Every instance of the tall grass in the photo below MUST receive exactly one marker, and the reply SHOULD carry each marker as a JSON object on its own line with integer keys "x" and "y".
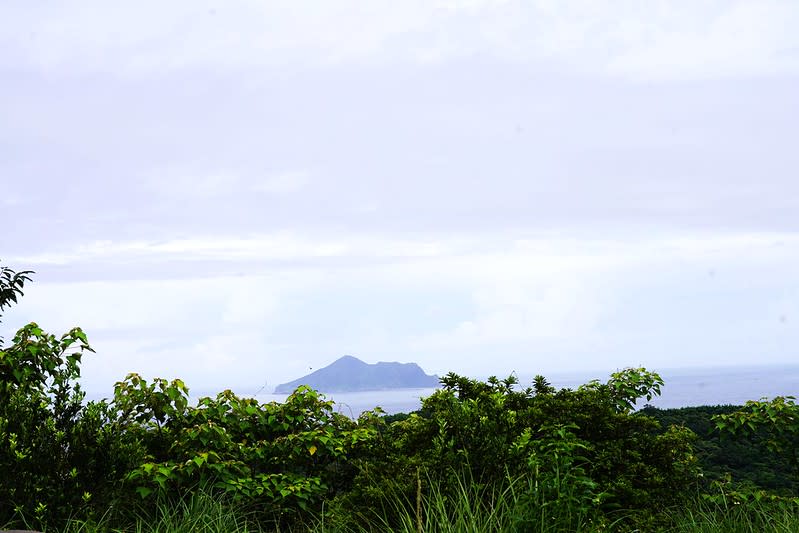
{"x": 198, "y": 512}
{"x": 461, "y": 506}
{"x": 749, "y": 517}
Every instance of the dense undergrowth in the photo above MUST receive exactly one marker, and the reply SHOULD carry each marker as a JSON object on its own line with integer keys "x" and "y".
{"x": 478, "y": 456}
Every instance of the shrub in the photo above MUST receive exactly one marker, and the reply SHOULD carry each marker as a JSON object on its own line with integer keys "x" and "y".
{"x": 584, "y": 448}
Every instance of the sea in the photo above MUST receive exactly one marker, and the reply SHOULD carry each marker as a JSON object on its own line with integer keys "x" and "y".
{"x": 685, "y": 387}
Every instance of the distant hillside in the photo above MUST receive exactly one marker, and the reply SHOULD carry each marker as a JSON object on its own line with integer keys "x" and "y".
{"x": 350, "y": 374}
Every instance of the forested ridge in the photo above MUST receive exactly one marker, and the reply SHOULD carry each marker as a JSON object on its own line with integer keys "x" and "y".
{"x": 747, "y": 461}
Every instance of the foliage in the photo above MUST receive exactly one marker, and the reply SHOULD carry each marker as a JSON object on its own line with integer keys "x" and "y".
{"x": 777, "y": 418}
{"x": 584, "y": 449}
{"x": 626, "y": 387}
{"x": 11, "y": 285}
{"x": 282, "y": 458}
{"x": 56, "y": 454}
{"x": 61, "y": 456}
{"x": 742, "y": 462}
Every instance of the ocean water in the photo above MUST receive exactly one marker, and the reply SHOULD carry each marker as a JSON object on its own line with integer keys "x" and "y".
{"x": 734, "y": 386}
{"x": 683, "y": 388}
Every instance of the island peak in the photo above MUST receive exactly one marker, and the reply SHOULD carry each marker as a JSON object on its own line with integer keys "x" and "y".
{"x": 350, "y": 374}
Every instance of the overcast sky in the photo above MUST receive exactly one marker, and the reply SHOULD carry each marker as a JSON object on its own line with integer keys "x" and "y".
{"x": 233, "y": 192}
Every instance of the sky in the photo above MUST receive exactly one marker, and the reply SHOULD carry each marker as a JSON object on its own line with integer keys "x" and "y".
{"x": 236, "y": 192}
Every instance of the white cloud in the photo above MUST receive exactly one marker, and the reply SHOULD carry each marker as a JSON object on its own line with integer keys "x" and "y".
{"x": 747, "y": 38}
{"x": 188, "y": 183}
{"x": 281, "y": 246}
{"x": 519, "y": 312}
{"x": 328, "y": 260}
{"x": 661, "y": 39}
{"x": 11, "y": 199}
{"x": 150, "y": 304}
{"x": 212, "y": 363}
{"x": 532, "y": 303}
{"x": 284, "y": 183}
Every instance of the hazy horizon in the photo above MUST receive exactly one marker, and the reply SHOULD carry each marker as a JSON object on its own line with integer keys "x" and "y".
{"x": 234, "y": 193}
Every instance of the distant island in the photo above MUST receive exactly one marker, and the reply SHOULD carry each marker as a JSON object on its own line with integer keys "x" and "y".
{"x": 350, "y": 374}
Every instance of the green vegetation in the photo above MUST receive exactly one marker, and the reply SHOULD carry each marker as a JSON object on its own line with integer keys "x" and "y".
{"x": 478, "y": 456}
{"x": 743, "y": 461}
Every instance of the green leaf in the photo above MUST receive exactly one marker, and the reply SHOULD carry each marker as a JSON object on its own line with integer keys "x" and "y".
{"x": 144, "y": 491}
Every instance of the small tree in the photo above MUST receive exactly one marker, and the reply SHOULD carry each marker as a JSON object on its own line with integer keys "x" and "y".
{"x": 58, "y": 457}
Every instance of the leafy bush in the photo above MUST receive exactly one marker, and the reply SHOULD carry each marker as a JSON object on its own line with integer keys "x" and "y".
{"x": 583, "y": 449}
{"x": 58, "y": 457}
{"x": 281, "y": 458}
